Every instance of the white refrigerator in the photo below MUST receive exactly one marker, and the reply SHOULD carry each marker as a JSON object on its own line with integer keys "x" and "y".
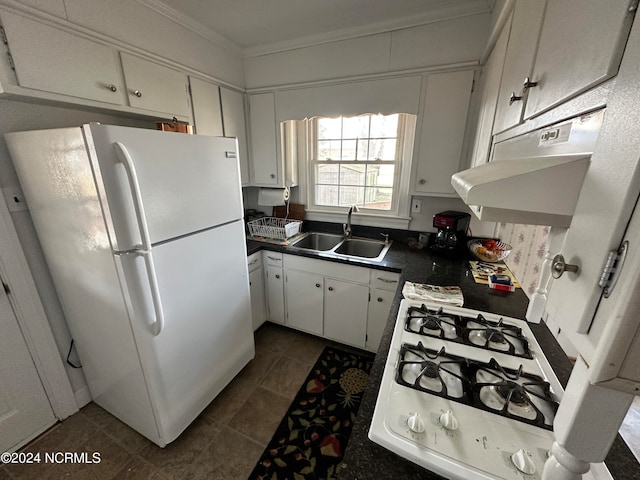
{"x": 143, "y": 234}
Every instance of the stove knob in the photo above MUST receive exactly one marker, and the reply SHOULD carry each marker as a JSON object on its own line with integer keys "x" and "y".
{"x": 449, "y": 421}
{"x": 416, "y": 424}
{"x": 523, "y": 462}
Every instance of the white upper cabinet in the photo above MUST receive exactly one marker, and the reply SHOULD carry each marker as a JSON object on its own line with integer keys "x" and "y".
{"x": 232, "y": 103}
{"x": 151, "y": 86}
{"x": 207, "y": 113}
{"x": 438, "y": 146}
{"x": 264, "y": 135}
{"x": 52, "y": 60}
{"x": 581, "y": 45}
{"x": 488, "y": 91}
{"x": 518, "y": 63}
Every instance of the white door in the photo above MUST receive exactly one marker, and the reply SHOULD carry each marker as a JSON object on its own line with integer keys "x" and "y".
{"x": 304, "y": 297}
{"x": 264, "y": 153}
{"x": 256, "y": 289}
{"x": 275, "y": 293}
{"x": 345, "y": 312}
{"x": 608, "y": 195}
{"x": 24, "y": 408}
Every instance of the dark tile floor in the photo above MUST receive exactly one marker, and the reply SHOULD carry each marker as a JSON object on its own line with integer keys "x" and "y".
{"x": 224, "y": 442}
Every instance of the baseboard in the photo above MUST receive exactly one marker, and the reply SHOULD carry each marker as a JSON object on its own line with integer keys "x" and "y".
{"x": 83, "y": 396}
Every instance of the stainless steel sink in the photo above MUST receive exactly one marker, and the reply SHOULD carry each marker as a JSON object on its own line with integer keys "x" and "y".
{"x": 332, "y": 245}
{"x": 320, "y": 242}
{"x": 356, "y": 247}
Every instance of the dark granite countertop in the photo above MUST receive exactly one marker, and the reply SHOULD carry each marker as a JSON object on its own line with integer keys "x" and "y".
{"x": 364, "y": 459}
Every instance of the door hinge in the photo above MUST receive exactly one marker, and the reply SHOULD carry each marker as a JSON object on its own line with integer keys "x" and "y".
{"x": 7, "y": 290}
{"x": 612, "y": 268}
{"x": 369, "y": 296}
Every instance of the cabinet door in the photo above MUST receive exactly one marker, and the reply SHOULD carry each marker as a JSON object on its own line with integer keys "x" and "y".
{"x": 207, "y": 114}
{"x": 275, "y": 294}
{"x": 234, "y": 126}
{"x": 442, "y": 134}
{"x": 581, "y": 45}
{"x": 53, "y": 60}
{"x": 379, "y": 309}
{"x": 488, "y": 90}
{"x": 152, "y": 86}
{"x": 518, "y": 63}
{"x": 264, "y": 153}
{"x": 345, "y": 312}
{"x": 304, "y": 295}
{"x": 256, "y": 289}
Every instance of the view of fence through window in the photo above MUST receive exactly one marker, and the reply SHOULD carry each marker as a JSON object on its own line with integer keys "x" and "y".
{"x": 356, "y": 161}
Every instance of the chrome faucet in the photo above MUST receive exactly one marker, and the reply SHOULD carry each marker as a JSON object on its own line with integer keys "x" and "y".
{"x": 347, "y": 226}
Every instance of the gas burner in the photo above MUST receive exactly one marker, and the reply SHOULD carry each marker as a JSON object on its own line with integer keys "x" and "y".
{"x": 433, "y": 323}
{"x": 514, "y": 394}
{"x": 497, "y": 336}
{"x": 433, "y": 372}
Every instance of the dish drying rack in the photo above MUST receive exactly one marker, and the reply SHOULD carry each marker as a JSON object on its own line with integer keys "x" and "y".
{"x": 272, "y": 227}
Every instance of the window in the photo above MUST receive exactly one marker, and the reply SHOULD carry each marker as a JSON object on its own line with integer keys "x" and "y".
{"x": 357, "y": 161}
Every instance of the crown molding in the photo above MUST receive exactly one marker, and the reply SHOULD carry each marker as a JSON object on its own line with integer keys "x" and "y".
{"x": 193, "y": 25}
{"x": 443, "y": 14}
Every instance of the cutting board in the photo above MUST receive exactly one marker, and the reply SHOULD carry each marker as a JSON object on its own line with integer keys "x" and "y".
{"x": 482, "y": 270}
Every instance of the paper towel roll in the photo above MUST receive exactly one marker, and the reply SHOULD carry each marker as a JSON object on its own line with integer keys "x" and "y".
{"x": 273, "y": 196}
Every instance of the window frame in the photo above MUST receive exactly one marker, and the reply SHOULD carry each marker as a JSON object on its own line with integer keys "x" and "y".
{"x": 402, "y": 168}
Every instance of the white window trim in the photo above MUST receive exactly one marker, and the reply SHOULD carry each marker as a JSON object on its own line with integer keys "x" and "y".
{"x": 396, "y": 218}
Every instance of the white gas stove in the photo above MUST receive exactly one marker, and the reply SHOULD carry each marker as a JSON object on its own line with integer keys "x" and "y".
{"x": 466, "y": 394}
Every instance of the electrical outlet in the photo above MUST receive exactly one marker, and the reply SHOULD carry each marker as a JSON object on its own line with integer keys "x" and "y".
{"x": 416, "y": 205}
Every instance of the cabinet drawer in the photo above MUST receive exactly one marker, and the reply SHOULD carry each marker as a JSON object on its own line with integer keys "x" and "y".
{"x": 385, "y": 280}
{"x": 273, "y": 258}
{"x": 254, "y": 261}
{"x": 328, "y": 269}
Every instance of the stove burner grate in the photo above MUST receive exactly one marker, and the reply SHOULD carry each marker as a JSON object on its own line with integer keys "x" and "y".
{"x": 474, "y": 331}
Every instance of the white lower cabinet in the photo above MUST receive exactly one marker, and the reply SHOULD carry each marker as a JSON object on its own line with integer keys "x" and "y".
{"x": 345, "y": 311}
{"x": 304, "y": 294}
{"x": 274, "y": 284}
{"x": 256, "y": 290}
{"x": 333, "y": 300}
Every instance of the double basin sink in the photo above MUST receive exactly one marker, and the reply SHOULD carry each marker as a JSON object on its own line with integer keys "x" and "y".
{"x": 339, "y": 246}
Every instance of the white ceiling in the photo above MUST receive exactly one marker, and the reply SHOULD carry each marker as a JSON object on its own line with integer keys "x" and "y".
{"x": 258, "y": 24}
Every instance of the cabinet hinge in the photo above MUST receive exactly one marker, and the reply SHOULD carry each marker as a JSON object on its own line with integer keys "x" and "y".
{"x": 7, "y": 290}
{"x": 369, "y": 296}
{"x": 633, "y": 6}
{"x": 3, "y": 36}
{"x": 612, "y": 268}
{"x": 11, "y": 63}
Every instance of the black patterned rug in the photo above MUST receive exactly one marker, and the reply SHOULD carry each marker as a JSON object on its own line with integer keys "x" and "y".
{"x": 310, "y": 441}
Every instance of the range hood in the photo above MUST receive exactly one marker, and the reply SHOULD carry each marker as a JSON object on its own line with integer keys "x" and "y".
{"x": 535, "y": 178}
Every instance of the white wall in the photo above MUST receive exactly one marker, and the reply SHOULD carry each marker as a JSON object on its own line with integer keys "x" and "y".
{"x": 435, "y": 44}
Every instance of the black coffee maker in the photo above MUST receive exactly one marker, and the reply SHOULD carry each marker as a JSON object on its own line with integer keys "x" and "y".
{"x": 452, "y": 231}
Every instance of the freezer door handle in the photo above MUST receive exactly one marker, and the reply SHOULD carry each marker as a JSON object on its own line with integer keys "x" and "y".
{"x": 132, "y": 176}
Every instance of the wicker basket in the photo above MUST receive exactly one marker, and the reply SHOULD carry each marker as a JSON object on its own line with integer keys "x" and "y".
{"x": 272, "y": 227}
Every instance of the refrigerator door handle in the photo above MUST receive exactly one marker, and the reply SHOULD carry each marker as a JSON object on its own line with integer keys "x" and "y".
{"x": 127, "y": 162}
{"x": 145, "y": 251}
{"x": 155, "y": 292}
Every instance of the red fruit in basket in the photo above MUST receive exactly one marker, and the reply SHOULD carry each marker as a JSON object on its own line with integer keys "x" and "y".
{"x": 490, "y": 244}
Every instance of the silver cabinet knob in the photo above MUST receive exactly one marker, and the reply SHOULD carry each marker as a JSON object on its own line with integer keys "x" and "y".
{"x": 514, "y": 98}
{"x": 330, "y": 289}
{"x": 528, "y": 84}
{"x": 273, "y": 175}
{"x": 137, "y": 93}
{"x": 422, "y": 181}
{"x": 277, "y": 276}
{"x": 559, "y": 266}
{"x": 380, "y": 299}
{"x": 112, "y": 87}
{"x": 317, "y": 285}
